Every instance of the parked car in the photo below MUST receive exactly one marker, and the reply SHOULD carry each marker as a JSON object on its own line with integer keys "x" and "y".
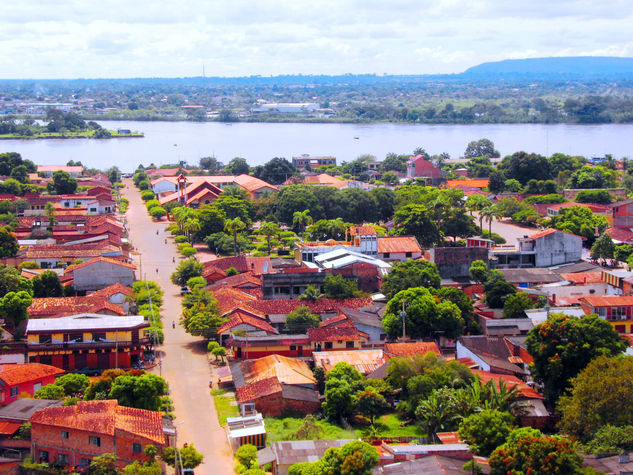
{"x": 184, "y": 290}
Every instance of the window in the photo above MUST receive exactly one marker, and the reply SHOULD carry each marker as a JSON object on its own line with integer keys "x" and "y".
{"x": 85, "y": 462}
{"x": 37, "y": 386}
{"x": 349, "y": 344}
{"x": 65, "y": 434}
{"x": 94, "y": 440}
{"x": 328, "y": 345}
{"x": 293, "y": 347}
{"x": 46, "y": 359}
{"x": 46, "y": 338}
{"x": 76, "y": 337}
{"x": 98, "y": 336}
{"x": 43, "y": 457}
{"x": 62, "y": 458}
{"x": 137, "y": 448}
{"x": 15, "y": 390}
{"x": 385, "y": 255}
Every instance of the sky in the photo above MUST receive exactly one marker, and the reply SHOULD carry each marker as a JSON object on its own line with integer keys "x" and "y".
{"x": 155, "y": 38}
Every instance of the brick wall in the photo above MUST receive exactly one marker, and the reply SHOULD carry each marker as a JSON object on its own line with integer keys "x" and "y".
{"x": 275, "y": 405}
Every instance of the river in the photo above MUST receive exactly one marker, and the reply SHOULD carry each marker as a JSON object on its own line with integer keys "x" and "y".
{"x": 170, "y": 142}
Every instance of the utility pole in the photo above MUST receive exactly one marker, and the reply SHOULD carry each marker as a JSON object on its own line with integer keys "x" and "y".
{"x": 403, "y": 315}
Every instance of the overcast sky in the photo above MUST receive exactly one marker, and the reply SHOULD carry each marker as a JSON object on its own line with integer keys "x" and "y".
{"x": 155, "y": 38}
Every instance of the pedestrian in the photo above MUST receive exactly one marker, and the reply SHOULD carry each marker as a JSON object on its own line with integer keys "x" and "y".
{"x": 157, "y": 232}
{"x": 165, "y": 241}
{"x": 173, "y": 259}
{"x": 173, "y": 324}
{"x": 157, "y": 270}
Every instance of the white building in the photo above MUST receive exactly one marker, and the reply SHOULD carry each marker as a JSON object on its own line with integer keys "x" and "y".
{"x": 546, "y": 248}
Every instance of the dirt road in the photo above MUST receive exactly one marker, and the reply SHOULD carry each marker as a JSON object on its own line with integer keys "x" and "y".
{"x": 184, "y": 363}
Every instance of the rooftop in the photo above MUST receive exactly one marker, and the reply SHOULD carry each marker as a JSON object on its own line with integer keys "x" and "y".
{"x": 336, "y": 333}
{"x": 410, "y": 349}
{"x": 14, "y": 374}
{"x": 62, "y": 306}
{"x": 608, "y": 300}
{"x": 23, "y": 409}
{"x": 84, "y": 322}
{"x": 364, "y": 361}
{"x": 97, "y": 260}
{"x": 286, "y": 370}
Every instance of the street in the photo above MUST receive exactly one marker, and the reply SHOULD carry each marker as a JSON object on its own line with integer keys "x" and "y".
{"x": 184, "y": 363}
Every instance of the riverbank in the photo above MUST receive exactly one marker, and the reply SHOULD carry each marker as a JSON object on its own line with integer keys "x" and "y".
{"x": 88, "y": 134}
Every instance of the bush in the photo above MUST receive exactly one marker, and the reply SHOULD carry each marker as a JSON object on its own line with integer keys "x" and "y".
{"x": 151, "y": 204}
{"x": 144, "y": 185}
{"x": 189, "y": 251}
{"x": 231, "y": 271}
{"x": 158, "y": 212}
{"x": 180, "y": 239}
{"x": 147, "y": 195}
{"x": 594, "y": 196}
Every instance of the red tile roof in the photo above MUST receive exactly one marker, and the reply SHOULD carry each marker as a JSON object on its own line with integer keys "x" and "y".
{"x": 408, "y": 350}
{"x": 104, "y": 417}
{"x": 9, "y": 428}
{"x": 256, "y": 265}
{"x": 476, "y": 183}
{"x": 338, "y": 321}
{"x": 398, "y": 244}
{"x": 258, "y": 389}
{"x": 335, "y": 334}
{"x": 272, "y": 307}
{"x": 286, "y": 370}
{"x": 583, "y": 277}
{"x": 252, "y": 184}
{"x": 242, "y": 317}
{"x": 245, "y": 279}
{"x": 620, "y": 234}
{"x": 608, "y": 300}
{"x": 64, "y": 306}
{"x": 510, "y": 381}
{"x": 14, "y": 374}
{"x": 113, "y": 289}
{"x": 230, "y": 299}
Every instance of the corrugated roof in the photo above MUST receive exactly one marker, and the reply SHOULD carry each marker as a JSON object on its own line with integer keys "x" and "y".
{"x": 608, "y": 300}
{"x": 398, "y": 244}
{"x": 476, "y": 183}
{"x": 86, "y": 321}
{"x": 364, "y": 361}
{"x": 99, "y": 259}
{"x": 286, "y": 370}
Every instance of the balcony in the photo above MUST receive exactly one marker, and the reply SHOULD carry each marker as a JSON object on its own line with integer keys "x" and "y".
{"x": 87, "y": 345}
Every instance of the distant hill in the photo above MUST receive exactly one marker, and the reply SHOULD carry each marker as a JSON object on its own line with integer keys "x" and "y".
{"x": 580, "y": 67}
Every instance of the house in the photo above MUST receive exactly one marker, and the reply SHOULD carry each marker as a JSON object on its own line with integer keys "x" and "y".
{"x": 281, "y": 455}
{"x": 49, "y": 170}
{"x": 306, "y": 160}
{"x": 275, "y": 399}
{"x": 100, "y": 272}
{"x": 622, "y": 212}
{"x": 494, "y": 354}
{"x": 116, "y": 294}
{"x": 419, "y": 167}
{"x": 364, "y": 361}
{"x": 336, "y": 338}
{"x": 246, "y": 429}
{"x": 291, "y": 283}
{"x": 429, "y": 465}
{"x": 542, "y": 249}
{"x": 262, "y": 345}
{"x": 409, "y": 349}
{"x": 54, "y": 255}
{"x": 455, "y": 262}
{"x": 198, "y": 190}
{"x": 64, "y": 306}
{"x": 19, "y": 379}
{"x": 86, "y": 341}
{"x": 366, "y": 321}
{"x": 255, "y": 265}
{"x": 74, "y": 435}
{"x": 616, "y": 309}
{"x": 287, "y": 370}
{"x": 321, "y": 179}
{"x": 244, "y": 322}
{"x": 13, "y": 415}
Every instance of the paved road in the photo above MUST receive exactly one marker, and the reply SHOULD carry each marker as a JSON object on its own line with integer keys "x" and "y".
{"x": 185, "y": 363}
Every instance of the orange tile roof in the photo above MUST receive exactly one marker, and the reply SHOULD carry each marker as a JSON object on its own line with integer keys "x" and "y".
{"x": 448, "y": 437}
{"x": 99, "y": 259}
{"x": 548, "y": 231}
{"x": 113, "y": 289}
{"x": 247, "y": 278}
{"x": 286, "y": 370}
{"x": 9, "y": 428}
{"x": 510, "y": 381}
{"x": 362, "y": 230}
{"x": 230, "y": 299}
{"x": 608, "y": 300}
{"x": 398, "y": 244}
{"x": 258, "y": 389}
{"x": 14, "y": 374}
{"x": 66, "y": 168}
{"x": 583, "y": 277}
{"x": 476, "y": 183}
{"x": 325, "y": 179}
{"x": 242, "y": 317}
{"x": 338, "y": 333}
{"x": 252, "y": 184}
{"x": 104, "y": 417}
{"x": 411, "y": 349}
{"x": 64, "y": 306}
{"x": 272, "y": 307}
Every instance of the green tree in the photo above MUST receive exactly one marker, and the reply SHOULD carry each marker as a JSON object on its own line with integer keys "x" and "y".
{"x": 237, "y": 166}
{"x": 516, "y": 304}
{"x": 300, "y": 319}
{"x": 524, "y": 167}
{"x": 188, "y": 454}
{"x": 370, "y": 404}
{"x": 246, "y": 454}
{"x": 485, "y": 431}
{"x": 603, "y": 248}
{"x": 47, "y": 284}
{"x": 234, "y": 203}
{"x": 202, "y": 319}
{"x": 610, "y": 439}
{"x": 157, "y": 213}
{"x": 62, "y": 184}
{"x": 104, "y": 464}
{"x": 497, "y": 289}
{"x": 497, "y": 182}
{"x": 8, "y": 243}
{"x": 73, "y": 384}
{"x": 476, "y": 203}
{"x": 234, "y": 226}
{"x": 186, "y": 270}
{"x": 536, "y": 454}
{"x": 600, "y": 394}
{"x": 579, "y": 220}
{"x": 410, "y": 273}
{"x": 211, "y": 221}
{"x": 311, "y": 293}
{"x": 20, "y": 173}
{"x": 435, "y": 414}
{"x": 562, "y": 346}
{"x": 143, "y": 392}
{"x": 276, "y": 171}
{"x": 292, "y": 199}
{"x": 319, "y": 375}
{"x": 211, "y": 164}
{"x": 415, "y": 220}
{"x": 114, "y": 175}
{"x": 385, "y": 198}
{"x": 220, "y": 352}
{"x": 338, "y": 287}
{"x": 481, "y": 148}
{"x": 14, "y": 306}
{"x": 478, "y": 271}
{"x": 594, "y": 196}
{"x": 269, "y": 229}
{"x": 425, "y": 317}
{"x": 301, "y": 220}
{"x": 50, "y": 391}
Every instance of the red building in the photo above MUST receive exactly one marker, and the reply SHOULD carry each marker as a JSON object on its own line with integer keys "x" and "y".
{"x": 16, "y": 379}
{"x": 420, "y": 167}
{"x": 74, "y": 435}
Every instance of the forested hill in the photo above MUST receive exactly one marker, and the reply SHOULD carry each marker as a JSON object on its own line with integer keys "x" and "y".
{"x": 579, "y": 67}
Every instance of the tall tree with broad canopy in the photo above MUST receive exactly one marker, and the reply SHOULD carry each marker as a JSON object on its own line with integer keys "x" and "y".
{"x": 186, "y": 270}
{"x": 603, "y": 248}
{"x": 62, "y": 184}
{"x": 562, "y": 346}
{"x": 300, "y": 319}
{"x": 8, "y": 243}
{"x": 408, "y": 274}
{"x": 415, "y": 220}
{"x": 486, "y": 430}
{"x": 237, "y": 166}
{"x": 481, "y": 148}
{"x": 425, "y": 316}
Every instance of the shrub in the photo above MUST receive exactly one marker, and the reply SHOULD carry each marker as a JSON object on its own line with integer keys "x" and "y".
{"x": 147, "y": 195}
{"x": 231, "y": 271}
{"x": 151, "y": 204}
{"x": 180, "y": 239}
{"x": 158, "y": 212}
{"x": 189, "y": 251}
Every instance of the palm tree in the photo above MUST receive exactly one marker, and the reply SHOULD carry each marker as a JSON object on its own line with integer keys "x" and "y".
{"x": 234, "y": 226}
{"x": 302, "y": 219}
{"x": 192, "y": 225}
{"x": 50, "y": 213}
{"x": 269, "y": 229}
{"x": 181, "y": 214}
{"x": 311, "y": 293}
{"x": 477, "y": 203}
{"x": 435, "y": 414}
{"x": 490, "y": 212}
{"x": 336, "y": 227}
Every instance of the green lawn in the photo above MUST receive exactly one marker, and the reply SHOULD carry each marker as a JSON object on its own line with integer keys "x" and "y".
{"x": 225, "y": 405}
{"x": 279, "y": 428}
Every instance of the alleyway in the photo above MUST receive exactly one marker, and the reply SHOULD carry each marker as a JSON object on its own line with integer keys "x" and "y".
{"x": 184, "y": 363}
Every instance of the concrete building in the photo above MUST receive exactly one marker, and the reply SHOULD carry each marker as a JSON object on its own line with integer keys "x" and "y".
{"x": 292, "y": 283}
{"x": 455, "y": 262}
{"x": 304, "y": 160}
{"x": 101, "y": 272}
{"x": 49, "y": 170}
{"x": 543, "y": 249}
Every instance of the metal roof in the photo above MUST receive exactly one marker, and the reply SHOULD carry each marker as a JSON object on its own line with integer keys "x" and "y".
{"x": 86, "y": 321}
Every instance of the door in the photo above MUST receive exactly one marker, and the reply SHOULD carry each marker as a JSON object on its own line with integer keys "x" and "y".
{"x": 300, "y": 349}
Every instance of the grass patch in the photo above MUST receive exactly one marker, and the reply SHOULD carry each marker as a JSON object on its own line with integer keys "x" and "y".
{"x": 225, "y": 405}
{"x": 389, "y": 426}
{"x": 279, "y": 428}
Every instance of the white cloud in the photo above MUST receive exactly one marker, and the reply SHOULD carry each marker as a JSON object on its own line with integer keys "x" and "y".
{"x": 119, "y": 38}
